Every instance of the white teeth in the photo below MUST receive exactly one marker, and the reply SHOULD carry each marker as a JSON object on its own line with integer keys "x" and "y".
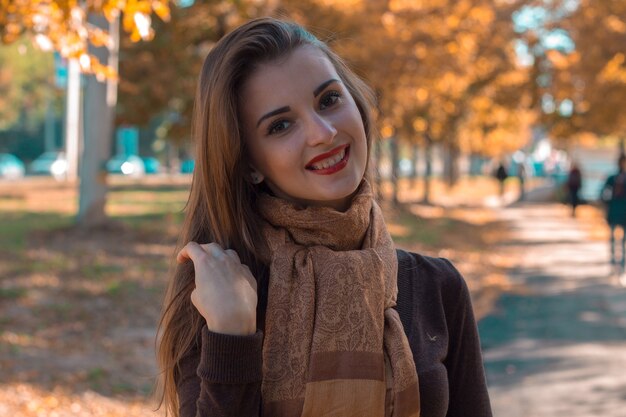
{"x": 333, "y": 160}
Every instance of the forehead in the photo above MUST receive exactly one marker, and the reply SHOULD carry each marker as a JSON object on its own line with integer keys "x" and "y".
{"x": 299, "y": 72}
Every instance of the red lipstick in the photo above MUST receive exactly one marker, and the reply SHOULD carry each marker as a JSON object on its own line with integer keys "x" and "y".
{"x": 334, "y": 168}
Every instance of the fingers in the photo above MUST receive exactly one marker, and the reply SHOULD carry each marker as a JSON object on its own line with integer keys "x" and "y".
{"x": 195, "y": 252}
{"x": 192, "y": 251}
{"x": 215, "y": 250}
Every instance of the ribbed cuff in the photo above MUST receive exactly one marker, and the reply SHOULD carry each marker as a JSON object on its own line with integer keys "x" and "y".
{"x": 227, "y": 359}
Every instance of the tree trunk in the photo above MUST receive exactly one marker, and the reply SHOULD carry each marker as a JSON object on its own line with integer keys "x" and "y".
{"x": 99, "y": 115}
{"x": 73, "y": 118}
{"x": 172, "y": 158}
{"x": 395, "y": 158}
{"x": 414, "y": 160}
{"x": 451, "y": 164}
{"x": 428, "y": 159}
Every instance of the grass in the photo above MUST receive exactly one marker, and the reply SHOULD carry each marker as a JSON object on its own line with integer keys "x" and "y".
{"x": 12, "y": 293}
{"x": 100, "y": 269}
{"x": 92, "y": 297}
{"x": 16, "y": 225}
{"x": 118, "y": 288}
{"x": 430, "y": 233}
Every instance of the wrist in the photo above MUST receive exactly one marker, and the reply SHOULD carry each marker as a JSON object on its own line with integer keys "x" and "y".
{"x": 232, "y": 327}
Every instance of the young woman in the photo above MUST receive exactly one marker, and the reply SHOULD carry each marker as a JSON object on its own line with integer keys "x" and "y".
{"x": 289, "y": 298}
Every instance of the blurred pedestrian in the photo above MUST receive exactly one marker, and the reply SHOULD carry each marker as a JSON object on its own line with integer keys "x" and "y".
{"x": 501, "y": 174}
{"x": 284, "y": 299}
{"x": 574, "y": 184}
{"x": 521, "y": 177}
{"x": 614, "y": 196}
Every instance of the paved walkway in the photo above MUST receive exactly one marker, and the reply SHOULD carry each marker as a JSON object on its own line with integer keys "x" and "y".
{"x": 556, "y": 346}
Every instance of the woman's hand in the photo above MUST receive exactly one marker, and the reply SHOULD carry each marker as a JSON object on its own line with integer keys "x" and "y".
{"x": 226, "y": 291}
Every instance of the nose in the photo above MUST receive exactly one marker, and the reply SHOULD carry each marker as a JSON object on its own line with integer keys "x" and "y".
{"x": 319, "y": 130}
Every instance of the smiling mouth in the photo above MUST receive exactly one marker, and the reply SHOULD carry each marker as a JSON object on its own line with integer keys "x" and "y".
{"x": 330, "y": 162}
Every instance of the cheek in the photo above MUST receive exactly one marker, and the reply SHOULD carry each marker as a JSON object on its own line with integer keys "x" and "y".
{"x": 359, "y": 132}
{"x": 278, "y": 160}
{"x": 356, "y": 120}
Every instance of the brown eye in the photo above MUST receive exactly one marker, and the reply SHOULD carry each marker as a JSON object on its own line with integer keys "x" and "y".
{"x": 278, "y": 126}
{"x": 329, "y": 99}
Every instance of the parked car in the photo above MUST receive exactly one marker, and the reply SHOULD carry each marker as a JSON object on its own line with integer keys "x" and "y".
{"x": 151, "y": 165}
{"x": 11, "y": 167}
{"x": 131, "y": 165}
{"x": 50, "y": 163}
{"x": 187, "y": 166}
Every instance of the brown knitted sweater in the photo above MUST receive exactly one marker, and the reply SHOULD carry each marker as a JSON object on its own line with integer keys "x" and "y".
{"x": 222, "y": 375}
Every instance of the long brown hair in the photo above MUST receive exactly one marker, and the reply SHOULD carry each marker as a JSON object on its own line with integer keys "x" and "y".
{"x": 221, "y": 201}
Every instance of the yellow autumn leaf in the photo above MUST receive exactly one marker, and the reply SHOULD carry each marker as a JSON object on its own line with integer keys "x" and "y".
{"x": 386, "y": 131}
{"x": 162, "y": 10}
{"x": 558, "y": 59}
{"x": 341, "y": 4}
{"x": 13, "y": 29}
{"x": 110, "y": 11}
{"x": 135, "y": 36}
{"x": 421, "y": 94}
{"x": 420, "y": 124}
{"x": 9, "y": 37}
{"x": 112, "y": 74}
{"x": 138, "y": 6}
{"x": 453, "y": 21}
{"x": 452, "y": 47}
{"x": 128, "y": 22}
{"x": 616, "y": 24}
{"x": 614, "y": 70}
{"x": 483, "y": 15}
{"x": 99, "y": 38}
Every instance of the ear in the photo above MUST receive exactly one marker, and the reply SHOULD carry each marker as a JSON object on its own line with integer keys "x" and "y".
{"x": 255, "y": 176}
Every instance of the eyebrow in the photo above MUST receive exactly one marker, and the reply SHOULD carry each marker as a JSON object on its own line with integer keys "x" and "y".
{"x": 322, "y": 86}
{"x": 273, "y": 113}
{"x": 285, "y": 109}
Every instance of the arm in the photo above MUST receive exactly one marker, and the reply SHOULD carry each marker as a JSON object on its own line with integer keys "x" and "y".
{"x": 464, "y": 363}
{"x": 222, "y": 378}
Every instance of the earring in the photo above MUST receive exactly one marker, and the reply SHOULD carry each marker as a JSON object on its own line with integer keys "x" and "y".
{"x": 256, "y": 178}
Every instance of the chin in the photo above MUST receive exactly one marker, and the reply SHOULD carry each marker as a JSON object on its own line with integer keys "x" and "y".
{"x": 344, "y": 193}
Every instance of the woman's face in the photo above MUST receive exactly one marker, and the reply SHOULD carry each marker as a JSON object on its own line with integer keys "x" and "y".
{"x": 303, "y": 130}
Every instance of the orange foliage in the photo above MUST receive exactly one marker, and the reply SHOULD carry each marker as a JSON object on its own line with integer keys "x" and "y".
{"x": 593, "y": 77}
{"x": 62, "y": 25}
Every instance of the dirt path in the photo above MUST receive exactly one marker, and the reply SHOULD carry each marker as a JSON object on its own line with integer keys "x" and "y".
{"x": 556, "y": 344}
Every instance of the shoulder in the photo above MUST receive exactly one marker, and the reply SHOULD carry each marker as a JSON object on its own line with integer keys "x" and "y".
{"x": 439, "y": 274}
{"x": 430, "y": 288}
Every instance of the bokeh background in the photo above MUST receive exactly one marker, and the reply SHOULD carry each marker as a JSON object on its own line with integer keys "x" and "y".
{"x": 96, "y": 161}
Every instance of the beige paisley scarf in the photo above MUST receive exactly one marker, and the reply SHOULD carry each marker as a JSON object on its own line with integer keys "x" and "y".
{"x": 333, "y": 344}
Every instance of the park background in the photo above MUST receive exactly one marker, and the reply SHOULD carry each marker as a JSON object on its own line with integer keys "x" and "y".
{"x": 462, "y": 86}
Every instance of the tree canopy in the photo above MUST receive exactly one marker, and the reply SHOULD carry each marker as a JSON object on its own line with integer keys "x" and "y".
{"x": 62, "y": 25}
{"x": 25, "y": 85}
{"x": 577, "y": 52}
{"x": 464, "y": 73}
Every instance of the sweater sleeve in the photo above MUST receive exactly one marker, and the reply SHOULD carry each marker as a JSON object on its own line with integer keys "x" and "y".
{"x": 464, "y": 363}
{"x": 222, "y": 377}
